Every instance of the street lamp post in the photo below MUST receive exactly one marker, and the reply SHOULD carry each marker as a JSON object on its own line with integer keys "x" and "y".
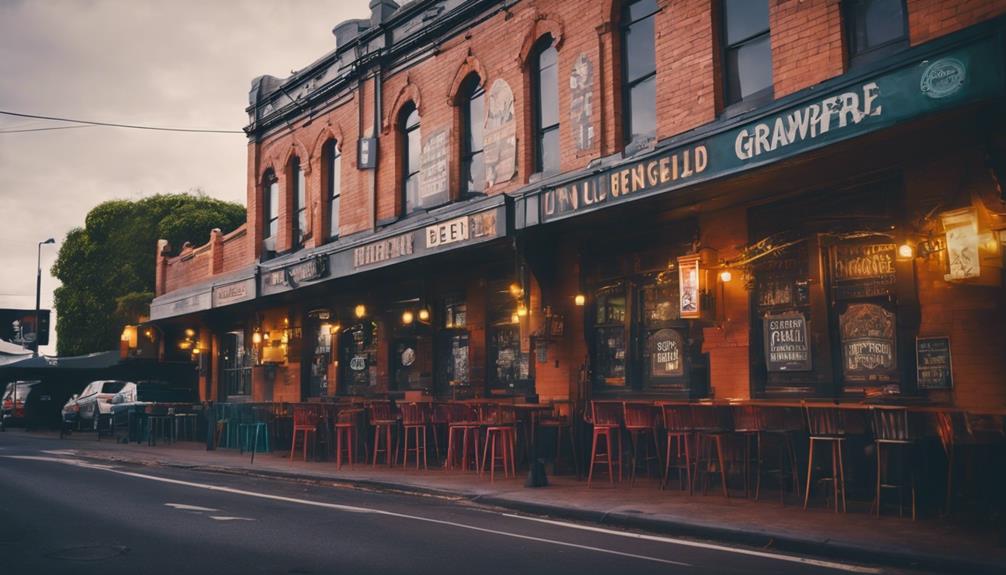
{"x": 38, "y": 294}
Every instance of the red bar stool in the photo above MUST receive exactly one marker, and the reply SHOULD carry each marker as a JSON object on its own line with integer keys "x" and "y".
{"x": 415, "y": 418}
{"x": 641, "y": 425}
{"x": 607, "y": 419}
{"x": 345, "y": 428}
{"x": 305, "y": 422}
{"x": 827, "y": 425}
{"x": 711, "y": 423}
{"x": 463, "y": 421}
{"x": 678, "y": 426}
{"x": 501, "y": 430}
{"x": 382, "y": 419}
{"x": 779, "y": 424}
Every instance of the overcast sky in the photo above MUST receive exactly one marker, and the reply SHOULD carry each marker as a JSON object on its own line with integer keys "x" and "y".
{"x": 182, "y": 63}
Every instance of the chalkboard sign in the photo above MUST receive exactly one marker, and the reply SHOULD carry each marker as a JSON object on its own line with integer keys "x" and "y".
{"x": 666, "y": 349}
{"x": 932, "y": 360}
{"x": 862, "y": 270}
{"x": 868, "y": 344}
{"x": 787, "y": 347}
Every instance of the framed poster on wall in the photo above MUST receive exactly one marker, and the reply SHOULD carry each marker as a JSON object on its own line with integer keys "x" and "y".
{"x": 933, "y": 368}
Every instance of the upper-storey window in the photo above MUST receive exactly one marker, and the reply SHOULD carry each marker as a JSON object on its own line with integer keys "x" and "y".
{"x": 747, "y": 51}
{"x": 270, "y": 212}
{"x": 411, "y": 149}
{"x": 875, "y": 28}
{"x": 639, "y": 65}
{"x": 545, "y": 80}
{"x": 298, "y": 213}
{"x": 473, "y": 169}
{"x": 333, "y": 159}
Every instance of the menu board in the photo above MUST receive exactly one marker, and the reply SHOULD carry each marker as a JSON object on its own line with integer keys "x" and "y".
{"x": 666, "y": 348}
{"x": 869, "y": 353}
{"x": 787, "y": 347}
{"x": 862, "y": 270}
{"x": 932, "y": 361}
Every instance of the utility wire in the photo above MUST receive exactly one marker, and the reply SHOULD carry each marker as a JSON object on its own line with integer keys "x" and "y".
{"x": 114, "y": 125}
{"x": 42, "y": 129}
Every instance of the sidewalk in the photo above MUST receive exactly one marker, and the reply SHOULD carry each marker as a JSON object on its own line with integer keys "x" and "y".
{"x": 932, "y": 544}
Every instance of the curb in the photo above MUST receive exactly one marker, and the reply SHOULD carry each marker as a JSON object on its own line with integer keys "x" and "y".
{"x": 758, "y": 540}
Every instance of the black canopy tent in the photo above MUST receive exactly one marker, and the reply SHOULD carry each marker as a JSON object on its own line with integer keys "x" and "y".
{"x": 61, "y": 377}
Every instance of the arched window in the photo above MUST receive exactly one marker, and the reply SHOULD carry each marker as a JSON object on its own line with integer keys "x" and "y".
{"x": 411, "y": 148}
{"x": 473, "y": 170}
{"x": 333, "y": 160}
{"x": 298, "y": 212}
{"x": 545, "y": 84}
{"x": 639, "y": 71}
{"x": 270, "y": 211}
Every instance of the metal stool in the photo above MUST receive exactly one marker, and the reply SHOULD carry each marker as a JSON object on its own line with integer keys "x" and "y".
{"x": 827, "y": 425}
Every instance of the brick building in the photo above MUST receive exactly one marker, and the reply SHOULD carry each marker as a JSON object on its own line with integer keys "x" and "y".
{"x": 660, "y": 198}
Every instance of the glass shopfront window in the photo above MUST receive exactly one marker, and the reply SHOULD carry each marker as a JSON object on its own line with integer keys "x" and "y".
{"x": 454, "y": 370}
{"x": 235, "y": 364}
{"x": 610, "y": 337}
{"x": 318, "y": 334}
{"x": 358, "y": 358}
{"x": 508, "y": 366}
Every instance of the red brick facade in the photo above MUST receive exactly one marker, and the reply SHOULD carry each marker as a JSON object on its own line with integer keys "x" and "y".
{"x": 808, "y": 44}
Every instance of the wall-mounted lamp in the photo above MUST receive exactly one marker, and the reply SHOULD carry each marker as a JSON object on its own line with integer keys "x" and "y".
{"x": 257, "y": 337}
{"x": 407, "y": 317}
{"x": 580, "y": 300}
{"x": 360, "y": 310}
{"x": 726, "y": 276}
{"x": 906, "y": 251}
{"x": 265, "y": 336}
{"x": 196, "y": 351}
{"x": 521, "y": 310}
{"x": 515, "y": 318}
{"x": 424, "y": 314}
{"x": 516, "y": 290}
{"x": 184, "y": 344}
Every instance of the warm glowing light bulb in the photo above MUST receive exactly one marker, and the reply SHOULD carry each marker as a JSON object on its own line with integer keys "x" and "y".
{"x": 580, "y": 299}
{"x": 726, "y": 276}
{"x": 521, "y": 310}
{"x": 424, "y": 314}
{"x": 407, "y": 317}
{"x": 514, "y": 318}
{"x": 256, "y": 338}
{"x": 516, "y": 290}
{"x": 906, "y": 251}
{"x": 360, "y": 310}
{"x": 190, "y": 332}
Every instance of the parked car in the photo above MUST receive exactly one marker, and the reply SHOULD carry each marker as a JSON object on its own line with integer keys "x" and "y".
{"x": 12, "y": 405}
{"x": 93, "y": 402}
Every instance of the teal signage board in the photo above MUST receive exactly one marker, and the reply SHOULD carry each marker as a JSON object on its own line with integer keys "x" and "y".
{"x": 941, "y": 81}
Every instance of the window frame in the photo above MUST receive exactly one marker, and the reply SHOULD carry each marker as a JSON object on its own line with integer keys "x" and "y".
{"x": 404, "y": 132}
{"x": 627, "y": 85}
{"x": 761, "y": 97}
{"x": 471, "y": 88}
{"x": 875, "y": 53}
{"x": 298, "y": 203}
{"x": 333, "y": 160}
{"x": 545, "y": 42}
{"x": 270, "y": 196}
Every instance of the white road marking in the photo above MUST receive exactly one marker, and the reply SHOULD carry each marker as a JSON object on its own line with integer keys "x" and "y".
{"x": 228, "y": 518}
{"x": 186, "y": 507}
{"x": 355, "y": 509}
{"x": 699, "y": 544}
{"x": 60, "y": 451}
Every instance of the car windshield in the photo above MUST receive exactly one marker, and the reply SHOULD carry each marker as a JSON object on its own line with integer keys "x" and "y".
{"x": 112, "y": 386}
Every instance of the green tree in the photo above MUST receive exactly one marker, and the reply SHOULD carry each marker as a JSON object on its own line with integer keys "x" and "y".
{"x": 107, "y": 267}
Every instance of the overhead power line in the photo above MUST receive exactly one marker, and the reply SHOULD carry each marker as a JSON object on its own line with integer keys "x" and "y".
{"x": 116, "y": 125}
{"x": 42, "y": 129}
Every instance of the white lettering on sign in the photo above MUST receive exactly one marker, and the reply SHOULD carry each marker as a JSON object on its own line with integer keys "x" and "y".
{"x": 809, "y": 122}
{"x": 448, "y": 232}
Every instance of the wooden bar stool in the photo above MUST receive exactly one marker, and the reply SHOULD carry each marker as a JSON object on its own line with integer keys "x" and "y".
{"x": 345, "y": 430}
{"x": 779, "y": 424}
{"x": 712, "y": 424}
{"x": 305, "y": 423}
{"x": 678, "y": 426}
{"x": 382, "y": 419}
{"x": 500, "y": 421}
{"x": 827, "y": 425}
{"x": 893, "y": 430}
{"x": 415, "y": 418}
{"x": 607, "y": 419}
{"x": 464, "y": 422}
{"x": 641, "y": 426}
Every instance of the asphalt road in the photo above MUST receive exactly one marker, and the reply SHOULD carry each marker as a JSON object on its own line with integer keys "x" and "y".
{"x": 62, "y": 514}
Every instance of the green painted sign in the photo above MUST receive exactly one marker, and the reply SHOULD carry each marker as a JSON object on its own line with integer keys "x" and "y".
{"x": 947, "y": 80}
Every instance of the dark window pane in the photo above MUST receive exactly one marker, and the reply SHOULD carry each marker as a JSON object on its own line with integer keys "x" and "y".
{"x": 749, "y": 69}
{"x": 876, "y": 22}
{"x": 550, "y": 151}
{"x": 475, "y": 173}
{"x": 641, "y": 9}
{"x": 475, "y": 119}
{"x": 640, "y": 57}
{"x": 744, "y": 19}
{"x": 548, "y": 93}
{"x": 643, "y": 109}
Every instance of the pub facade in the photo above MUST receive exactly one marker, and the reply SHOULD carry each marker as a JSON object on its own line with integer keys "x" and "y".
{"x": 674, "y": 199}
